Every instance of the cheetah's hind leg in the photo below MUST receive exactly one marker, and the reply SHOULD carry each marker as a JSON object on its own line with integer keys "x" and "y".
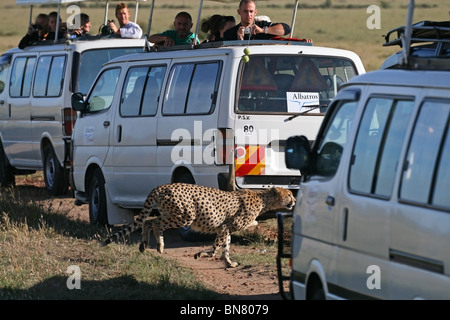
{"x": 145, "y": 235}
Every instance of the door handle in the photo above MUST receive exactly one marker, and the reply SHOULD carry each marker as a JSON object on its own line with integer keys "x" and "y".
{"x": 119, "y": 133}
{"x": 2, "y": 102}
{"x": 330, "y": 201}
{"x": 106, "y": 123}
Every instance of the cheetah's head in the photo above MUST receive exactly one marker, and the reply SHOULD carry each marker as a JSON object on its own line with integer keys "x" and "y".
{"x": 282, "y": 198}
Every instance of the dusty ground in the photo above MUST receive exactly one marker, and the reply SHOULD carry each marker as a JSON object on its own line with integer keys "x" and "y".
{"x": 246, "y": 282}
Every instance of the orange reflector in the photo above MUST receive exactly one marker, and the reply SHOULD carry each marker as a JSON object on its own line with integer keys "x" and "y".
{"x": 250, "y": 160}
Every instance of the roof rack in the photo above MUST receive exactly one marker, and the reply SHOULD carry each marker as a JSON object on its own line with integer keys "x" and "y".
{"x": 431, "y": 50}
{"x": 424, "y": 31}
{"x": 219, "y": 44}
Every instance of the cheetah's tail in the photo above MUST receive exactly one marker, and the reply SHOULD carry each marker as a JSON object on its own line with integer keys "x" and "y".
{"x": 122, "y": 233}
{"x": 137, "y": 224}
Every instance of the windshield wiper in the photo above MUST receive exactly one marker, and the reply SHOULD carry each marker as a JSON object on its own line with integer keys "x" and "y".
{"x": 306, "y": 111}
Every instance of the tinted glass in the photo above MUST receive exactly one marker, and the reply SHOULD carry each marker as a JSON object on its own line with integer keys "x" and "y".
{"x": 378, "y": 144}
{"x": 426, "y": 175}
{"x": 291, "y": 84}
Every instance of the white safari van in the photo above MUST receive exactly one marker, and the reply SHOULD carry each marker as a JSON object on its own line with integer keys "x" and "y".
{"x": 36, "y": 85}
{"x": 372, "y": 218}
{"x": 199, "y": 115}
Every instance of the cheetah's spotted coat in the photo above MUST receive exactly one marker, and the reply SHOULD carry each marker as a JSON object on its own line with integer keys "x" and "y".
{"x": 206, "y": 210}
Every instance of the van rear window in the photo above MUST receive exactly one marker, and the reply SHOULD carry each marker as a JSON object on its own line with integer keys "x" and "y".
{"x": 291, "y": 84}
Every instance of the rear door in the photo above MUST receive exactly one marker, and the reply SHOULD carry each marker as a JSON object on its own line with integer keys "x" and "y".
{"x": 17, "y": 130}
{"x": 48, "y": 102}
{"x": 133, "y": 143}
{"x": 419, "y": 239}
{"x": 188, "y": 120}
{"x": 280, "y": 96}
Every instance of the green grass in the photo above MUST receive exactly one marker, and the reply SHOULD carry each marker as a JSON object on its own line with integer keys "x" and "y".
{"x": 333, "y": 23}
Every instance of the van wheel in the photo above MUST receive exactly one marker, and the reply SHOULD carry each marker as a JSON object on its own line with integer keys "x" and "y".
{"x": 319, "y": 294}
{"x": 54, "y": 175}
{"x": 97, "y": 199}
{"x": 6, "y": 176}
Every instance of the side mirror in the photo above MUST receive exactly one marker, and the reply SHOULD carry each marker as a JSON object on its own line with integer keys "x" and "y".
{"x": 298, "y": 153}
{"x": 78, "y": 103}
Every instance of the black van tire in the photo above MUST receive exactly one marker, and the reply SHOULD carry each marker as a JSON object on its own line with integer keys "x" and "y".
{"x": 54, "y": 175}
{"x": 7, "y": 178}
{"x": 98, "y": 215}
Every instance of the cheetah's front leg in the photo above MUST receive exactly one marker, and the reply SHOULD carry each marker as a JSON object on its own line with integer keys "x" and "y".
{"x": 211, "y": 252}
{"x": 223, "y": 240}
{"x": 226, "y": 253}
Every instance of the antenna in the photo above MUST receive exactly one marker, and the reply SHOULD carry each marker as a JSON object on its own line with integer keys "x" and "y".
{"x": 406, "y": 39}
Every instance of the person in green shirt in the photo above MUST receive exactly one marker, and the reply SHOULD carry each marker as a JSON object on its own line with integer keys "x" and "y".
{"x": 182, "y": 34}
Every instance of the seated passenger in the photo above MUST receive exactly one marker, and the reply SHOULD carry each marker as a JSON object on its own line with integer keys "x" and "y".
{"x": 182, "y": 34}
{"x": 127, "y": 29}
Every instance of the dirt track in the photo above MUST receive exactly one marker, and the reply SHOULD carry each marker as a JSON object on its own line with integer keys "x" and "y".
{"x": 242, "y": 282}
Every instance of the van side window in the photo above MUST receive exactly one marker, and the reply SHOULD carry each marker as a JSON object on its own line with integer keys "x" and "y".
{"x": 22, "y": 73}
{"x": 102, "y": 93}
{"x": 141, "y": 91}
{"x": 378, "y": 144}
{"x": 48, "y": 81}
{"x": 335, "y": 139}
{"x": 203, "y": 88}
{"x": 426, "y": 175}
{"x": 192, "y": 88}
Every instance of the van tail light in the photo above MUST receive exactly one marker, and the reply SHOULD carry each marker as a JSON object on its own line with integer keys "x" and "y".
{"x": 69, "y": 118}
{"x": 224, "y": 146}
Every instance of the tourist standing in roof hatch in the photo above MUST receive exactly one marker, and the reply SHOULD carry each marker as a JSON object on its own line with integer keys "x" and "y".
{"x": 248, "y": 28}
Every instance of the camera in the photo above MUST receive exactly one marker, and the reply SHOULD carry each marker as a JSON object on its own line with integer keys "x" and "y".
{"x": 105, "y": 30}
{"x": 247, "y": 30}
{"x": 36, "y": 27}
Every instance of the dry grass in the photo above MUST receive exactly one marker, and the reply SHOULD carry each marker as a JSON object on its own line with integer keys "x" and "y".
{"x": 39, "y": 245}
{"x": 40, "y": 242}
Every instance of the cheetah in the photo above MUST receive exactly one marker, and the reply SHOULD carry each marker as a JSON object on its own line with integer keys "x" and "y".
{"x": 206, "y": 210}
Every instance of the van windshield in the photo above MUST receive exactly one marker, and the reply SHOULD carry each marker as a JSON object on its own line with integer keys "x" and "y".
{"x": 92, "y": 61}
{"x": 291, "y": 84}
